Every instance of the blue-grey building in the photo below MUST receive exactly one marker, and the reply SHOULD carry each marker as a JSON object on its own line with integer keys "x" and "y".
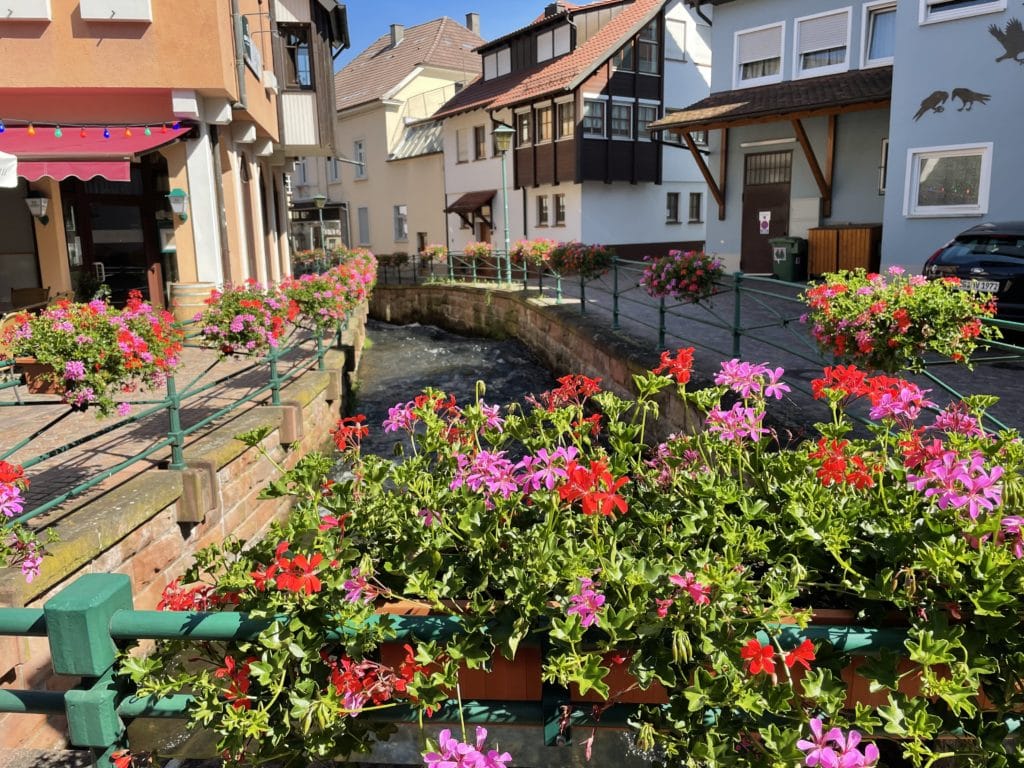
{"x": 876, "y": 129}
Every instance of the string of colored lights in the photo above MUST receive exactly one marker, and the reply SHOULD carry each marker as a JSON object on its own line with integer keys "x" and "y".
{"x": 58, "y": 132}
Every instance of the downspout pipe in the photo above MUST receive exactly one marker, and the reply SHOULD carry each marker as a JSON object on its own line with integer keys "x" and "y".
{"x": 236, "y": 23}
{"x": 696, "y": 7}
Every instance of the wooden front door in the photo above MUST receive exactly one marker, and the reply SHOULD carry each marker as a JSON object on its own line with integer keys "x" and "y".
{"x": 766, "y": 180}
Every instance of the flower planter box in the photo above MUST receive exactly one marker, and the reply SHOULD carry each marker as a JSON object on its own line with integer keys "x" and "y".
{"x": 40, "y": 378}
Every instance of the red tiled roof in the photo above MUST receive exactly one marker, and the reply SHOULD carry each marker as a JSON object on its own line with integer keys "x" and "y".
{"x": 745, "y": 105}
{"x": 540, "y": 20}
{"x": 561, "y": 74}
{"x": 442, "y": 43}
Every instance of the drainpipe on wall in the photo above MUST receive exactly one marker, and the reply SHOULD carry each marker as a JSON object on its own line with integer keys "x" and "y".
{"x": 696, "y": 7}
{"x": 236, "y": 23}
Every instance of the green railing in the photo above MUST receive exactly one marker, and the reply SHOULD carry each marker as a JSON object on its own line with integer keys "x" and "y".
{"x": 90, "y": 619}
{"x": 746, "y": 315}
{"x": 300, "y": 351}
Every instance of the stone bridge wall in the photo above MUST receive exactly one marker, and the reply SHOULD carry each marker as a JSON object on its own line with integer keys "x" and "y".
{"x": 562, "y": 339}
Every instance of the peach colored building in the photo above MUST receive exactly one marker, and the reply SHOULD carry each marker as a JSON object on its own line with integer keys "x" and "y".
{"x": 115, "y": 109}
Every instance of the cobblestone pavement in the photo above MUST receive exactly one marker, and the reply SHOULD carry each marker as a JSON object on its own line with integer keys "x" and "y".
{"x": 82, "y": 451}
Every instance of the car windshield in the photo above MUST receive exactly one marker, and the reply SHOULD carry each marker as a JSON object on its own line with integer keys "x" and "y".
{"x": 969, "y": 248}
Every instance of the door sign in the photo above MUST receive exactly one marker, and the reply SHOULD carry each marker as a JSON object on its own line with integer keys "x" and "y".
{"x": 764, "y": 221}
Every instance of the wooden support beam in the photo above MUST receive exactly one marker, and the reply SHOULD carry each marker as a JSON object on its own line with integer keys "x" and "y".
{"x": 830, "y": 158}
{"x": 698, "y": 158}
{"x": 824, "y": 186}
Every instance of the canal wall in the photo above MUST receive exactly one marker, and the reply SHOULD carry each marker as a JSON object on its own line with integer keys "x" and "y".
{"x": 151, "y": 526}
{"x": 561, "y": 338}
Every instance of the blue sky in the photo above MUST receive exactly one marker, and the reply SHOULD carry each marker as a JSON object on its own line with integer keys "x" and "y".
{"x": 369, "y": 19}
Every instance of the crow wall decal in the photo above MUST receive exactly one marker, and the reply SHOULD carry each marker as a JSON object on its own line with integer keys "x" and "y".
{"x": 1011, "y": 38}
{"x": 968, "y": 98}
{"x": 934, "y": 102}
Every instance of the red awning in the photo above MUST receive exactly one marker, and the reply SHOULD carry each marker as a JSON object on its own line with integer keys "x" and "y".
{"x": 83, "y": 157}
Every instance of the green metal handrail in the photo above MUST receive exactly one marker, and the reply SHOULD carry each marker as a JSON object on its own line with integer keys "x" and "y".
{"x": 84, "y": 621}
{"x": 293, "y": 353}
{"x": 776, "y": 301}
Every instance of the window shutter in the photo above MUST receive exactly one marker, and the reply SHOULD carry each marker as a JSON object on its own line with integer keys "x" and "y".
{"x": 823, "y": 33}
{"x": 675, "y": 39}
{"x": 562, "y": 40}
{"x": 759, "y": 45}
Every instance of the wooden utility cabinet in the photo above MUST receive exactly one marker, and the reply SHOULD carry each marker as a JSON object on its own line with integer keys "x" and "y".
{"x": 830, "y": 249}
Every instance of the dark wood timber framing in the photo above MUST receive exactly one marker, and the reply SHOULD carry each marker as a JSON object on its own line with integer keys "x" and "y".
{"x": 716, "y": 192}
{"x": 822, "y": 178}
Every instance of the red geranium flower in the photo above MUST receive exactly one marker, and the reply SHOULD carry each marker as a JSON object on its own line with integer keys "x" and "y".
{"x": 803, "y": 654}
{"x": 760, "y": 658}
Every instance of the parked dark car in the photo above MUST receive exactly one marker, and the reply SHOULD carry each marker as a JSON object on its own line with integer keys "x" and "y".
{"x": 987, "y": 258}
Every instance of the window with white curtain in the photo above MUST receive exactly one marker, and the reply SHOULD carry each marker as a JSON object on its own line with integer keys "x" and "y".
{"x": 948, "y": 181}
{"x": 822, "y": 43}
{"x": 759, "y": 56}
{"x": 879, "y": 32}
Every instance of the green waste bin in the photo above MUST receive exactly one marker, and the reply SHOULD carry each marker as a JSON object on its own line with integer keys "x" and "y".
{"x": 789, "y": 258}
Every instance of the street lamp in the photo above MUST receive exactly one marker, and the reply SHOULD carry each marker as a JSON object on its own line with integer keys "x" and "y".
{"x": 503, "y": 141}
{"x": 320, "y": 201}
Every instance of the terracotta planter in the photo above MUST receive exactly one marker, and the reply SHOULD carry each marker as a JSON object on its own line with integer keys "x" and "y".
{"x": 40, "y": 378}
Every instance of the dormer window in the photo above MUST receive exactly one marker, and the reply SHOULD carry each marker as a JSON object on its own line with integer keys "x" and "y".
{"x": 497, "y": 63}
{"x": 553, "y": 42}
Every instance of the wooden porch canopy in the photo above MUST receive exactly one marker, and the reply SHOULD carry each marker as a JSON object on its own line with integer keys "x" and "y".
{"x": 793, "y": 101}
{"x": 471, "y": 204}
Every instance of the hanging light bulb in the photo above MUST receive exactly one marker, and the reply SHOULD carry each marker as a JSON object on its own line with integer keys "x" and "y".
{"x": 127, "y": 132}
{"x": 106, "y": 133}
{"x": 148, "y": 132}
{"x": 31, "y": 130}
{"x": 58, "y": 133}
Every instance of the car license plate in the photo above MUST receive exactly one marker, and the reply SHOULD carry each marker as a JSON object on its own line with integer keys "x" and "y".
{"x": 980, "y": 286}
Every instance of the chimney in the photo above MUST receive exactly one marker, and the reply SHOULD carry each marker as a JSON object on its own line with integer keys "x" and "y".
{"x": 397, "y": 33}
{"x": 553, "y": 9}
{"x": 473, "y": 22}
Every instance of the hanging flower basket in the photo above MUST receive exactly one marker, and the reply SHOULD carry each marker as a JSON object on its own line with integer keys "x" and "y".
{"x": 40, "y": 378}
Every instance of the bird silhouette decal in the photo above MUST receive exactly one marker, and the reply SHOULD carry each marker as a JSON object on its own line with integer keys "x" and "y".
{"x": 934, "y": 102}
{"x": 1011, "y": 38}
{"x": 968, "y": 98}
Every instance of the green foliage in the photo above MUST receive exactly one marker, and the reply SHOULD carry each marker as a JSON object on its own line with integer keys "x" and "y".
{"x": 684, "y": 564}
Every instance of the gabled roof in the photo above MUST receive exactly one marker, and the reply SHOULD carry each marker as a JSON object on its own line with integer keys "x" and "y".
{"x": 543, "y": 20}
{"x": 858, "y": 88}
{"x": 442, "y": 43}
{"x": 559, "y": 75}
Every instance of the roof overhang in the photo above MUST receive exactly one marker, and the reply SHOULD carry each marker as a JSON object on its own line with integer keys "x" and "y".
{"x": 853, "y": 91}
{"x": 469, "y": 206}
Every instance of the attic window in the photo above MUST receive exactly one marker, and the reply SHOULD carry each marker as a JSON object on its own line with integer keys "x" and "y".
{"x": 497, "y": 63}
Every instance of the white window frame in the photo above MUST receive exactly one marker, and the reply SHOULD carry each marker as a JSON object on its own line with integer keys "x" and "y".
{"x": 632, "y": 120}
{"x": 645, "y": 135}
{"x": 604, "y": 119}
{"x": 359, "y": 155}
{"x": 737, "y": 81}
{"x": 910, "y": 207}
{"x": 300, "y": 171}
{"x": 927, "y": 17}
{"x": 497, "y": 63}
{"x": 868, "y": 11}
{"x": 798, "y": 55}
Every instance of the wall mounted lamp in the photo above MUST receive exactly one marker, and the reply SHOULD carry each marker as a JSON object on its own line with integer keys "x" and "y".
{"x": 37, "y": 205}
{"x": 178, "y": 198}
